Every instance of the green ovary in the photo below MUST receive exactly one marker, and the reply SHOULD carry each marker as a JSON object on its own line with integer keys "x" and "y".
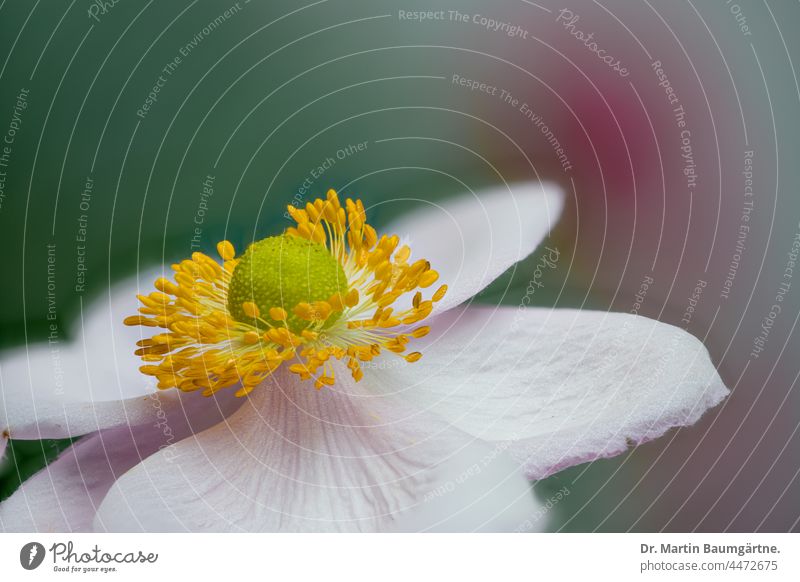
{"x": 282, "y": 271}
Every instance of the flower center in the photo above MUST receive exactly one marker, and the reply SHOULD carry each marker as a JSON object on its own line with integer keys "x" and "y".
{"x": 285, "y": 271}
{"x": 328, "y": 289}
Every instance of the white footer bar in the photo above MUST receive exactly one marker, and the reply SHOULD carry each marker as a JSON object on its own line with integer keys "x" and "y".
{"x": 409, "y": 558}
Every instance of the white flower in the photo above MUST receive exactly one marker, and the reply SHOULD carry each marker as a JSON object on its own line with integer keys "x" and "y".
{"x": 502, "y": 395}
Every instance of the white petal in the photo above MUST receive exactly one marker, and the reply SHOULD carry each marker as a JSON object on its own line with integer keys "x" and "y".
{"x": 64, "y": 496}
{"x": 296, "y": 459}
{"x": 472, "y": 239}
{"x": 471, "y": 493}
{"x": 559, "y": 387}
{"x": 66, "y": 388}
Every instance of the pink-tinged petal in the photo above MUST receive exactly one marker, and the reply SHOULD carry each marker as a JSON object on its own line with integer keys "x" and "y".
{"x": 65, "y": 495}
{"x": 474, "y": 238}
{"x": 62, "y": 388}
{"x": 558, "y": 387}
{"x": 297, "y": 459}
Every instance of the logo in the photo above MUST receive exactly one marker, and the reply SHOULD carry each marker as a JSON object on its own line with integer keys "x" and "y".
{"x": 31, "y": 555}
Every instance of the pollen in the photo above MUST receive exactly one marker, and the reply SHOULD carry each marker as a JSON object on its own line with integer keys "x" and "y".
{"x": 328, "y": 289}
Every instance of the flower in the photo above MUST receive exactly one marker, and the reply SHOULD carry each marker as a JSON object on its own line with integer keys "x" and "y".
{"x": 326, "y": 290}
{"x": 502, "y": 395}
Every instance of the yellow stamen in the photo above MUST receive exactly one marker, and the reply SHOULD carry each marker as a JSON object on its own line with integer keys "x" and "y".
{"x": 251, "y": 309}
{"x": 213, "y": 339}
{"x": 421, "y": 331}
{"x": 278, "y": 313}
{"x": 226, "y": 250}
{"x": 440, "y": 292}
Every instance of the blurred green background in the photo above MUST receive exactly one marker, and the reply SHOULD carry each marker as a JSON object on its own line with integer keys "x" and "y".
{"x": 265, "y": 91}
